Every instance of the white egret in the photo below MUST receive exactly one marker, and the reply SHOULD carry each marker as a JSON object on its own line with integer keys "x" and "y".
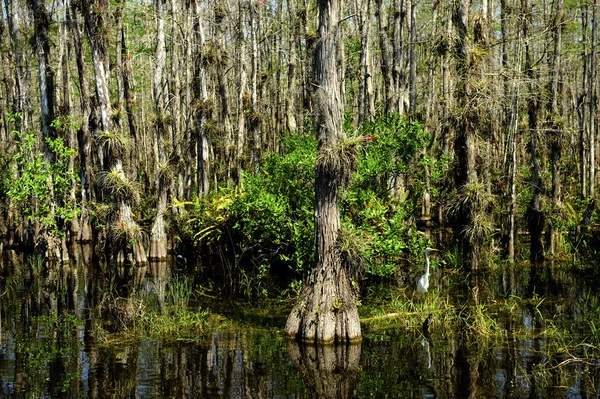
{"x": 423, "y": 283}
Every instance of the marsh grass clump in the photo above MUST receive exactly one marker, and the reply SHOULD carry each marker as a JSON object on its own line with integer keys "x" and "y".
{"x": 478, "y": 320}
{"x": 35, "y": 264}
{"x": 146, "y": 315}
{"x": 176, "y": 324}
{"x": 180, "y": 291}
{"x": 402, "y": 311}
{"x": 495, "y": 320}
{"x": 118, "y": 313}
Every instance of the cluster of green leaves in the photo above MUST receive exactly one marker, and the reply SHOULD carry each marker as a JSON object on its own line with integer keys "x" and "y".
{"x": 41, "y": 182}
{"x": 265, "y": 229}
{"x": 389, "y": 155}
{"x": 373, "y": 204}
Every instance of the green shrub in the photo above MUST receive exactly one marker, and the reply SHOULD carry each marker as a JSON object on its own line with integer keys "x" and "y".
{"x": 40, "y": 184}
{"x": 370, "y": 204}
{"x": 265, "y": 230}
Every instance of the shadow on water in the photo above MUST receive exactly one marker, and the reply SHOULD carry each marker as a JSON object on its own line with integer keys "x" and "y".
{"x": 54, "y": 342}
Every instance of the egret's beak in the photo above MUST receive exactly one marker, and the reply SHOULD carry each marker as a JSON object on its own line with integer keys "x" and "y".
{"x": 434, "y": 250}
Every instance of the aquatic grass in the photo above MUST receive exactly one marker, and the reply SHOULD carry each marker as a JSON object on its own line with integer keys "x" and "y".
{"x": 153, "y": 314}
{"x": 478, "y": 321}
{"x": 454, "y": 257}
{"x": 177, "y": 324}
{"x": 171, "y": 324}
{"x": 180, "y": 291}
{"x": 36, "y": 264}
{"x": 410, "y": 312}
{"x": 403, "y": 309}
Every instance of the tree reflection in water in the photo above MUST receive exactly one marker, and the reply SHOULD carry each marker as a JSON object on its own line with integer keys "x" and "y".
{"x": 329, "y": 371}
{"x": 54, "y": 342}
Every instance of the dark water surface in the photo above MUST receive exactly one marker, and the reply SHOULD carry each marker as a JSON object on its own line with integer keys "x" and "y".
{"x": 49, "y": 347}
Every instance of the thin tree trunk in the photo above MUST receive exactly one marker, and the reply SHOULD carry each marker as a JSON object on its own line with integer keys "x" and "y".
{"x": 535, "y": 216}
{"x": 554, "y": 115}
{"x": 465, "y": 145}
{"x": 158, "y": 235}
{"x": 228, "y": 146}
{"x": 175, "y": 99}
{"x": 84, "y": 138}
{"x": 386, "y": 65}
{"x": 203, "y": 112}
{"x": 413, "y": 59}
{"x": 46, "y": 81}
{"x": 126, "y": 75}
{"x": 398, "y": 62}
{"x": 254, "y": 119}
{"x": 592, "y": 101}
{"x": 96, "y": 16}
{"x": 364, "y": 16}
{"x": 46, "y": 74}
{"x": 583, "y": 107}
{"x": 294, "y": 51}
{"x": 242, "y": 90}
{"x": 119, "y": 60}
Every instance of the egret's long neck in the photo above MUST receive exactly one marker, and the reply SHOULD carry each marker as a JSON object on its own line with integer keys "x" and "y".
{"x": 427, "y": 263}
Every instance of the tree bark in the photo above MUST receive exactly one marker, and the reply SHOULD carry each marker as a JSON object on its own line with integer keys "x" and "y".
{"x": 158, "y": 235}
{"x": 228, "y": 146}
{"x": 592, "y": 101}
{"x": 177, "y": 137}
{"x": 254, "y": 119}
{"x": 413, "y": 59}
{"x": 398, "y": 61}
{"x": 535, "y": 216}
{"x": 465, "y": 144}
{"x": 204, "y": 112}
{"x": 46, "y": 73}
{"x": 386, "y": 63}
{"x": 365, "y": 82}
{"x": 553, "y": 116}
{"x": 96, "y": 19}
{"x": 84, "y": 138}
{"x": 326, "y": 311}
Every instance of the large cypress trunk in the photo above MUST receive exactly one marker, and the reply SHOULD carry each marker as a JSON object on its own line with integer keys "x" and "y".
{"x": 326, "y": 311}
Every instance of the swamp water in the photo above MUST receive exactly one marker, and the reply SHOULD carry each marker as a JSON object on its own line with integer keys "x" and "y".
{"x": 537, "y": 338}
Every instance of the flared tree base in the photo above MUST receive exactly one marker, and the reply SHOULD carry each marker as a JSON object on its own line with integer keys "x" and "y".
{"x": 326, "y": 311}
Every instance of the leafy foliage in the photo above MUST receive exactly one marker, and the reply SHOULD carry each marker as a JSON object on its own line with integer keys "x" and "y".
{"x": 41, "y": 182}
{"x": 373, "y": 203}
{"x": 389, "y": 155}
{"x": 265, "y": 230}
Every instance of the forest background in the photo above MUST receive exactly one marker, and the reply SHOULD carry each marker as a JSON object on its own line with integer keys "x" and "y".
{"x": 185, "y": 127}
